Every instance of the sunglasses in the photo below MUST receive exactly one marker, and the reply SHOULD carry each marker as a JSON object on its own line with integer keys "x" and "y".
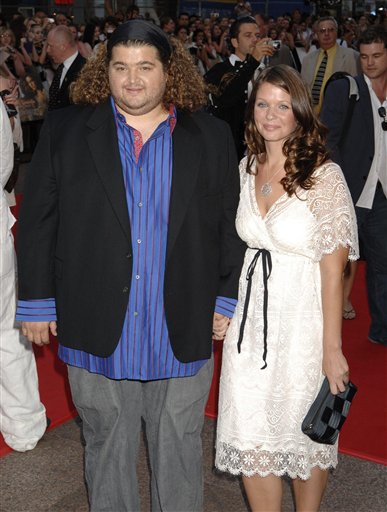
{"x": 382, "y": 113}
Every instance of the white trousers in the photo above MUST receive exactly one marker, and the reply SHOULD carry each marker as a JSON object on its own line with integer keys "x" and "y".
{"x": 22, "y": 415}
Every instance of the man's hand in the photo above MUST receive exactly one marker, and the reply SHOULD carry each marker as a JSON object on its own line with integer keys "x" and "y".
{"x": 39, "y": 332}
{"x": 262, "y": 49}
{"x": 220, "y": 326}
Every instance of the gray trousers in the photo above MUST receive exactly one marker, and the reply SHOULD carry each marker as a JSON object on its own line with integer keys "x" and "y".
{"x": 173, "y": 411}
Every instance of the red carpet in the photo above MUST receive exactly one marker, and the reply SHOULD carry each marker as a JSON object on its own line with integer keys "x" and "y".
{"x": 365, "y": 433}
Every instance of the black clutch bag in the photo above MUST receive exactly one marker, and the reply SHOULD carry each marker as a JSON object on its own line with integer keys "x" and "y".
{"x": 328, "y": 413}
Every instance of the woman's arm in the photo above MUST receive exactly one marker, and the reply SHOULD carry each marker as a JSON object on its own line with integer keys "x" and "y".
{"x": 335, "y": 366}
{"x": 43, "y": 56}
{"x": 19, "y": 60}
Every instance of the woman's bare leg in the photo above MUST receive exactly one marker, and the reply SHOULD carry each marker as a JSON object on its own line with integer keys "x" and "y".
{"x": 264, "y": 493}
{"x": 308, "y": 493}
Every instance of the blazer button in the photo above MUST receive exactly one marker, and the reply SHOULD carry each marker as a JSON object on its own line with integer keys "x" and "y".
{"x": 125, "y": 289}
{"x": 129, "y": 255}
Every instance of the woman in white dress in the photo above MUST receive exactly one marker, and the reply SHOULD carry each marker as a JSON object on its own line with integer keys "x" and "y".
{"x": 297, "y": 219}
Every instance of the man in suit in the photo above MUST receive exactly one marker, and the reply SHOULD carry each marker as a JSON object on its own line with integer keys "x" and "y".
{"x": 362, "y": 153}
{"x": 232, "y": 78}
{"x": 127, "y": 246}
{"x": 62, "y": 49}
{"x": 320, "y": 64}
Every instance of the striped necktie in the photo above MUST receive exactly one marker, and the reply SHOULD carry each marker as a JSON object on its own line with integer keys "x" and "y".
{"x": 316, "y": 89}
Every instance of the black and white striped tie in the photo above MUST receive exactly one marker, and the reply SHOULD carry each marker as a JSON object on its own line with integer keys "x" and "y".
{"x": 316, "y": 89}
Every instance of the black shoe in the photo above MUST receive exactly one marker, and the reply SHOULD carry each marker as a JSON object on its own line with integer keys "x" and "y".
{"x": 384, "y": 343}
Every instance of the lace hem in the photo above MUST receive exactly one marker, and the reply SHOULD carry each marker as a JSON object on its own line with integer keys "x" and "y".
{"x": 264, "y": 463}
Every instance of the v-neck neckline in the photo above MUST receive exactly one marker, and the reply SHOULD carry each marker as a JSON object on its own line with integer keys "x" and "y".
{"x": 255, "y": 202}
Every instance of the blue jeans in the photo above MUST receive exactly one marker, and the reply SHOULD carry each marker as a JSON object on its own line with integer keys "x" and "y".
{"x": 373, "y": 237}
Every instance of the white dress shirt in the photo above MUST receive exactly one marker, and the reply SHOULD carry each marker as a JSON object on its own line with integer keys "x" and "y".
{"x": 66, "y": 66}
{"x": 378, "y": 171}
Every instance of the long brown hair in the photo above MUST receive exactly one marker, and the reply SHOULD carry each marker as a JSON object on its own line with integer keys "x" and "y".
{"x": 305, "y": 148}
{"x": 185, "y": 87}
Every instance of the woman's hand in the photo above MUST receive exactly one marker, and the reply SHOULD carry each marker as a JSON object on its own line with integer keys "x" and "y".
{"x": 13, "y": 96}
{"x": 220, "y": 326}
{"x": 335, "y": 368}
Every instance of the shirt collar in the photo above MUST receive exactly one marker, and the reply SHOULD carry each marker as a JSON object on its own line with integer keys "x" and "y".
{"x": 369, "y": 84}
{"x": 233, "y": 59}
{"x": 331, "y": 50}
{"x": 67, "y": 63}
{"x": 170, "y": 121}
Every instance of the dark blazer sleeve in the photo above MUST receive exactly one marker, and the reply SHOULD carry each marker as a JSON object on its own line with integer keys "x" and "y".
{"x": 38, "y": 222}
{"x": 333, "y": 114}
{"x": 232, "y": 248}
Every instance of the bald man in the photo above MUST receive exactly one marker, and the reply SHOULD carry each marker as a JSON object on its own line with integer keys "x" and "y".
{"x": 63, "y": 52}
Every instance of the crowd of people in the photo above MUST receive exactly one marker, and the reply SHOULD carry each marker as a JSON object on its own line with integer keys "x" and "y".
{"x": 140, "y": 242}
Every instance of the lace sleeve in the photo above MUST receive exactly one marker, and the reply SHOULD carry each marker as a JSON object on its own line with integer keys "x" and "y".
{"x": 242, "y": 171}
{"x": 331, "y": 205}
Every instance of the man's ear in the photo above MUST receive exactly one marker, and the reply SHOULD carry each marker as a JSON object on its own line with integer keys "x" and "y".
{"x": 234, "y": 42}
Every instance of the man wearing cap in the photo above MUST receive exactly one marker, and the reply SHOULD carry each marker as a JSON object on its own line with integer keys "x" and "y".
{"x": 127, "y": 247}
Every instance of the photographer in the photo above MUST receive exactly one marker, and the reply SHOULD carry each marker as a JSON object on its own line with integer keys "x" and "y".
{"x": 231, "y": 79}
{"x": 12, "y": 60}
{"x": 199, "y": 52}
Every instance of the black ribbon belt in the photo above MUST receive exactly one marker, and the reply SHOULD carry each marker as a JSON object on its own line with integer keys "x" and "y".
{"x": 266, "y": 270}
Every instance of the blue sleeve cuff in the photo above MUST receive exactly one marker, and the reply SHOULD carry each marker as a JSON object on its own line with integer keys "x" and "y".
{"x": 225, "y": 306}
{"x": 43, "y": 310}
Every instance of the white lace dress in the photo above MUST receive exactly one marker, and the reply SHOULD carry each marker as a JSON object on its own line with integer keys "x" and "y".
{"x": 261, "y": 410}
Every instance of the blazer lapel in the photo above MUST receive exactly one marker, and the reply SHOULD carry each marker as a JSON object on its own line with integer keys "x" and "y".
{"x": 366, "y": 110}
{"x": 185, "y": 167}
{"x": 103, "y": 144}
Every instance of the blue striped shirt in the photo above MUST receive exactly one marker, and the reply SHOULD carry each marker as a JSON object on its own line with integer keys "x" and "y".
{"x": 144, "y": 350}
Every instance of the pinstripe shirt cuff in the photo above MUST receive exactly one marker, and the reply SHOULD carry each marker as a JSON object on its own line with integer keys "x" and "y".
{"x": 225, "y": 306}
{"x": 40, "y": 310}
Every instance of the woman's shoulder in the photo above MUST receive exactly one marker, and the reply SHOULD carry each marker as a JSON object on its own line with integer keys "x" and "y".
{"x": 328, "y": 171}
{"x": 243, "y": 164}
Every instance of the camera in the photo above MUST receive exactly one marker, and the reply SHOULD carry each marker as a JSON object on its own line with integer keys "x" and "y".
{"x": 276, "y": 44}
{"x": 11, "y": 109}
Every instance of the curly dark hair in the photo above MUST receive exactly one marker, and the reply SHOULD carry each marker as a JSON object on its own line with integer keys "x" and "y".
{"x": 185, "y": 88}
{"x": 305, "y": 148}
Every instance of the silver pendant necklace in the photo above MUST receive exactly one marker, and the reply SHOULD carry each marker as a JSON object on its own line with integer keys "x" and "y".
{"x": 266, "y": 188}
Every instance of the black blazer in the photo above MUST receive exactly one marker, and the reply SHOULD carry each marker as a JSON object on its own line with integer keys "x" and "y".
{"x": 74, "y": 238}
{"x": 230, "y": 104}
{"x": 356, "y": 153}
{"x": 71, "y": 75}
